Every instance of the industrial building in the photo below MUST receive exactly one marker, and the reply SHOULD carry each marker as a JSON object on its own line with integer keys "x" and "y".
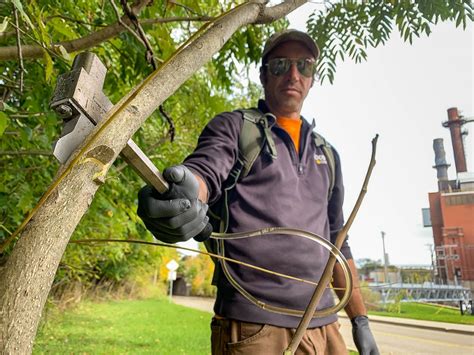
{"x": 451, "y": 211}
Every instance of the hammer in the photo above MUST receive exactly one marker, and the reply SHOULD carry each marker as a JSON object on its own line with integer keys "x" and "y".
{"x": 79, "y": 101}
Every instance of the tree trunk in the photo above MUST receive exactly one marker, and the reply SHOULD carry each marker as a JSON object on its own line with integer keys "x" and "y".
{"x": 29, "y": 272}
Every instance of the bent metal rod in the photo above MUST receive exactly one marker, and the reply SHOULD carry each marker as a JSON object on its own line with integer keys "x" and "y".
{"x": 220, "y": 237}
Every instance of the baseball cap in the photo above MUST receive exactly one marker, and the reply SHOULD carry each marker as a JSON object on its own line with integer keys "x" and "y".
{"x": 290, "y": 35}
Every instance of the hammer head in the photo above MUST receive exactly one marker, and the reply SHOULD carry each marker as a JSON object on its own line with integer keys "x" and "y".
{"x": 78, "y": 99}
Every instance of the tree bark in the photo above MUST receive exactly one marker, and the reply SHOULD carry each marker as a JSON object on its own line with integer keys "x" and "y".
{"x": 29, "y": 272}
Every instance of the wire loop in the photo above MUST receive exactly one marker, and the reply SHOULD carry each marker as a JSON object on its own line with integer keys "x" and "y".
{"x": 221, "y": 237}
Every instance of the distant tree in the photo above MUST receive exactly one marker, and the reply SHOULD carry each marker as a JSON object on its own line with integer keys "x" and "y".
{"x": 416, "y": 276}
{"x": 198, "y": 271}
{"x": 365, "y": 266}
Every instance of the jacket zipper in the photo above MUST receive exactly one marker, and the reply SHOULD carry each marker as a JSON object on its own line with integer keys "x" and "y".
{"x": 292, "y": 149}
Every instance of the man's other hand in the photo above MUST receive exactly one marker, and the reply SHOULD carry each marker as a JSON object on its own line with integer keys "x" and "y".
{"x": 363, "y": 338}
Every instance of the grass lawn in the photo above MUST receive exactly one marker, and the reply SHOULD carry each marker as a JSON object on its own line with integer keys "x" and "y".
{"x": 156, "y": 326}
{"x": 126, "y": 327}
{"x": 423, "y": 311}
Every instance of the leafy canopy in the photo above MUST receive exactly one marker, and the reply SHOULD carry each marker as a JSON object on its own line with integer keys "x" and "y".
{"x": 346, "y": 29}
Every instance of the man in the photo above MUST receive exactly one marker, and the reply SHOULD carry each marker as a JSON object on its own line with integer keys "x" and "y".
{"x": 287, "y": 186}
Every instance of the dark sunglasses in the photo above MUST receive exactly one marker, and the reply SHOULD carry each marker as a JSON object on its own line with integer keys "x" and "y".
{"x": 281, "y": 66}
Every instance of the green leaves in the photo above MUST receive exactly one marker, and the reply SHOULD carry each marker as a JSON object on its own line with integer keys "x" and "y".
{"x": 48, "y": 70}
{"x": 4, "y": 121}
{"x": 26, "y": 199}
{"x": 61, "y": 29}
{"x": 19, "y": 7}
{"x": 348, "y": 28}
{"x": 4, "y": 24}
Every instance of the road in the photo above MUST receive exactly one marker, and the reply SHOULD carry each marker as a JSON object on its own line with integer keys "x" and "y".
{"x": 400, "y": 339}
{"x": 392, "y": 339}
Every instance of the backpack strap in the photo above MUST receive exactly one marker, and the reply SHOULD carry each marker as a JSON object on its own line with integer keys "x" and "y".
{"x": 255, "y": 134}
{"x": 327, "y": 149}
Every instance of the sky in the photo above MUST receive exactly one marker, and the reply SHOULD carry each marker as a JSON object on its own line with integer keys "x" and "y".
{"x": 402, "y": 92}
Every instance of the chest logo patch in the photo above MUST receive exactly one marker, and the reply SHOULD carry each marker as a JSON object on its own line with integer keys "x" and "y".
{"x": 320, "y": 159}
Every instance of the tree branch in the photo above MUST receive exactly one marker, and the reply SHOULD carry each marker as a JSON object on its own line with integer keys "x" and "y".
{"x": 120, "y": 21}
{"x": 89, "y": 41}
{"x": 71, "y": 19}
{"x": 4, "y": 35}
{"x": 6, "y": 78}
{"x": 187, "y": 8}
{"x": 270, "y": 14}
{"x": 27, "y": 114}
{"x": 51, "y": 50}
{"x": 11, "y": 86}
{"x": 26, "y": 152}
{"x": 149, "y": 55}
{"x": 20, "y": 56}
{"x": 172, "y": 130}
{"x": 149, "y": 22}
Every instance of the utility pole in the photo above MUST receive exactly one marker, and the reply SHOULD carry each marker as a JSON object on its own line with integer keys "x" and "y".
{"x": 385, "y": 272}
{"x": 430, "y": 247}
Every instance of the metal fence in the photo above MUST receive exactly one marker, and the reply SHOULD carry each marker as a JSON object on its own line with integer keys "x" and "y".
{"x": 427, "y": 292}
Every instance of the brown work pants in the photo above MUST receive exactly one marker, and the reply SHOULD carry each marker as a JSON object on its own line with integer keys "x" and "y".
{"x": 231, "y": 337}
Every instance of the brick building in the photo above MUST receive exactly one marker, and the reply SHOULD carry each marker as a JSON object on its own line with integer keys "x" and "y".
{"x": 452, "y": 211}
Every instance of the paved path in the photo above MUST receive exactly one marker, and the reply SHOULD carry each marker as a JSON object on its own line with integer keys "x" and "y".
{"x": 394, "y": 335}
{"x": 201, "y": 303}
{"x": 419, "y": 337}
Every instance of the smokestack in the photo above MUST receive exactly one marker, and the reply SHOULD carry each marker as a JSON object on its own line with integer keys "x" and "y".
{"x": 441, "y": 165}
{"x": 455, "y": 124}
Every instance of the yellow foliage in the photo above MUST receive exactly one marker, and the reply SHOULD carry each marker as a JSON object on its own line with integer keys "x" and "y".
{"x": 166, "y": 258}
{"x": 198, "y": 271}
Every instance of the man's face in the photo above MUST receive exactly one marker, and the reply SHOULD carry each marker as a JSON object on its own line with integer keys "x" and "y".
{"x": 285, "y": 94}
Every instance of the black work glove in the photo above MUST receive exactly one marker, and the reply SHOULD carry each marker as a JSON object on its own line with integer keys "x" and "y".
{"x": 363, "y": 338}
{"x": 178, "y": 214}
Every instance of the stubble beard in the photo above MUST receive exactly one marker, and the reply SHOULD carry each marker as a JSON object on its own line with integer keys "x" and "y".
{"x": 284, "y": 105}
{"x": 289, "y": 104}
